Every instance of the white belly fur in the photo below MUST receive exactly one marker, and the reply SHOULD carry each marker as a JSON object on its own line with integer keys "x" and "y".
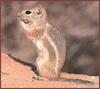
{"x": 43, "y": 54}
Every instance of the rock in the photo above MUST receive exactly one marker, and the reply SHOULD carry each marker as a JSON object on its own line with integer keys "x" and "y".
{"x": 16, "y": 75}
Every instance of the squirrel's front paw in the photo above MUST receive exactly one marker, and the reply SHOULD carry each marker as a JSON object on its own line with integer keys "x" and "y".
{"x": 36, "y": 77}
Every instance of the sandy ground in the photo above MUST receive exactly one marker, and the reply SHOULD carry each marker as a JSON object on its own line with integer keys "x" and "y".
{"x": 16, "y": 75}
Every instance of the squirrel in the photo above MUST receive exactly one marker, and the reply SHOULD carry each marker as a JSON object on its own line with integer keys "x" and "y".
{"x": 50, "y": 42}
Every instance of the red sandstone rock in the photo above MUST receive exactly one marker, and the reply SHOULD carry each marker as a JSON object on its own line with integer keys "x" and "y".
{"x": 16, "y": 75}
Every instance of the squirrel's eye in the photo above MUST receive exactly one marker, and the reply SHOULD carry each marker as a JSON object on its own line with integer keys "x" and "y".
{"x": 28, "y": 12}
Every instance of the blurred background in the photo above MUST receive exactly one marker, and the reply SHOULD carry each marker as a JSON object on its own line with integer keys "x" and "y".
{"x": 78, "y": 21}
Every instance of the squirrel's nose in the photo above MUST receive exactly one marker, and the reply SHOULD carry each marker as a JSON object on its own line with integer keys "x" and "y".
{"x": 18, "y": 15}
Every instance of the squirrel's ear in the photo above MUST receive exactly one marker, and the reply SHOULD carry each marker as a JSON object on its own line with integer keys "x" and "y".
{"x": 39, "y": 11}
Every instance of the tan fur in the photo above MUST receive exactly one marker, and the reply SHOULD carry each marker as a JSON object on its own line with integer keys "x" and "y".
{"x": 50, "y": 42}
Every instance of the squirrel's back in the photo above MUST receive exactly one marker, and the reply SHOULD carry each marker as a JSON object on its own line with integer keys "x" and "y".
{"x": 57, "y": 39}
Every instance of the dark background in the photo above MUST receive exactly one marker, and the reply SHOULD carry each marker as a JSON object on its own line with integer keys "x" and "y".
{"x": 78, "y": 21}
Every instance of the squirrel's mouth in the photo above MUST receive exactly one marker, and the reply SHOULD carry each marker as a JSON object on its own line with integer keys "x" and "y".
{"x": 26, "y": 21}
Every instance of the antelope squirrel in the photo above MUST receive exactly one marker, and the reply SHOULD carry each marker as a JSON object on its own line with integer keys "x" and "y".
{"x": 49, "y": 41}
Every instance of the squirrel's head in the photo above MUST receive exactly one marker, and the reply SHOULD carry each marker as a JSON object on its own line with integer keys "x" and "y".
{"x": 33, "y": 18}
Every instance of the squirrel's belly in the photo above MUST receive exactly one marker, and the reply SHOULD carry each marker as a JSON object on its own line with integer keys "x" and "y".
{"x": 46, "y": 60}
{"x": 43, "y": 52}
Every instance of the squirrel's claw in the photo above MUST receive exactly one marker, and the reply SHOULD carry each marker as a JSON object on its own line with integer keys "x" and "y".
{"x": 36, "y": 77}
